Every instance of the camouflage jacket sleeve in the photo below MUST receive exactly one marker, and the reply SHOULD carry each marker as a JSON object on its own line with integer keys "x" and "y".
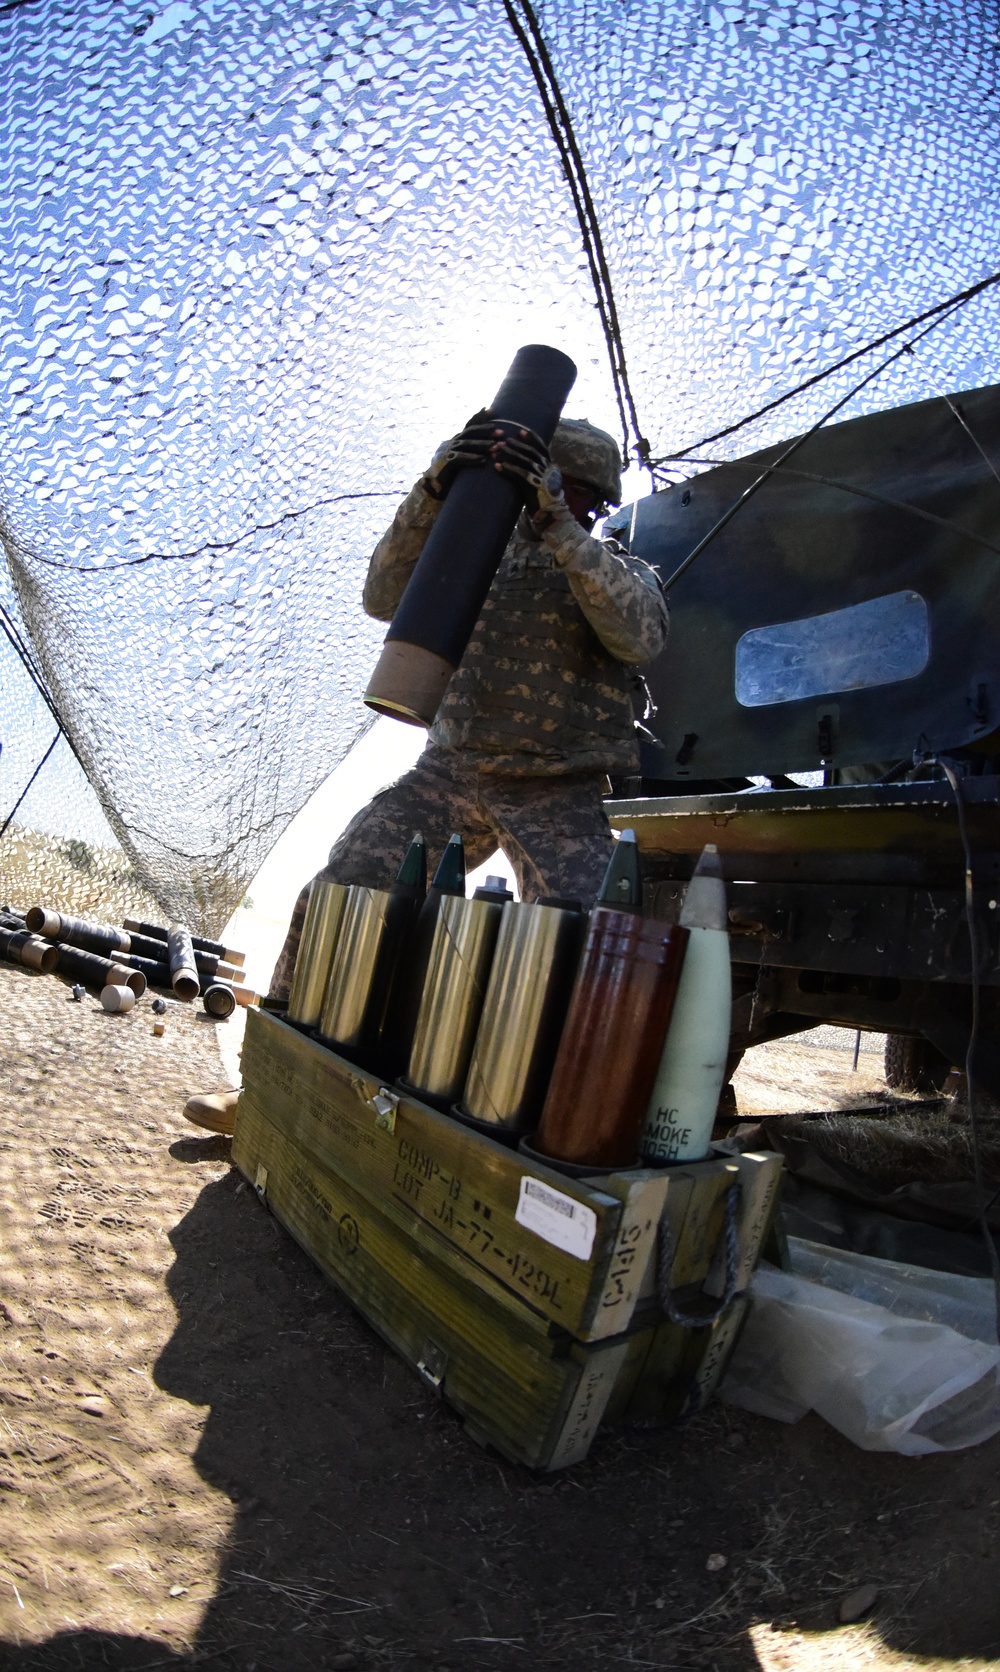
{"x": 619, "y": 594}
{"x": 392, "y": 561}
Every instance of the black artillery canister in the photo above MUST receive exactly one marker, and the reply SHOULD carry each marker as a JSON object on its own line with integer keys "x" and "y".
{"x": 94, "y": 971}
{"x": 147, "y": 947}
{"x": 183, "y": 969}
{"x": 446, "y": 591}
{"x": 157, "y": 974}
{"x": 156, "y": 970}
{"x": 157, "y": 932}
{"x": 75, "y": 931}
{"x": 206, "y": 963}
{"x": 220, "y": 1000}
{"x": 17, "y": 946}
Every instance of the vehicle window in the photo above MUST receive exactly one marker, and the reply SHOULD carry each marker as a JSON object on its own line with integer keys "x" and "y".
{"x": 875, "y": 643}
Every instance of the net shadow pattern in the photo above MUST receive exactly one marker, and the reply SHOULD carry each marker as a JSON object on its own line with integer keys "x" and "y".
{"x": 261, "y": 259}
{"x": 95, "y": 1460}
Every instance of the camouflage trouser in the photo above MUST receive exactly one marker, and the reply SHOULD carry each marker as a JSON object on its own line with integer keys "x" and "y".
{"x": 553, "y": 830}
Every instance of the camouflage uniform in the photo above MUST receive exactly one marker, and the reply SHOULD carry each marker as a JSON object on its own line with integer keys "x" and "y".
{"x": 536, "y": 716}
{"x": 554, "y": 832}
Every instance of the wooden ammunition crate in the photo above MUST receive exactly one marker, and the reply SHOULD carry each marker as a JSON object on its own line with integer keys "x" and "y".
{"x": 525, "y": 1296}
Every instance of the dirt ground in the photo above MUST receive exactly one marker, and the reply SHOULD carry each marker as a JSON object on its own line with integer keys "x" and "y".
{"x": 207, "y": 1459}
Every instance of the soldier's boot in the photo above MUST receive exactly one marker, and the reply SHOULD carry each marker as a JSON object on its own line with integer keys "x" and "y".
{"x": 215, "y": 1111}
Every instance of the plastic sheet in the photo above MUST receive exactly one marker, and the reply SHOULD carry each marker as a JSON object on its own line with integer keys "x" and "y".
{"x": 896, "y": 1357}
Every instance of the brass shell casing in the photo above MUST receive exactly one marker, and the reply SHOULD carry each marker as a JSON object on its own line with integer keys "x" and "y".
{"x": 323, "y": 919}
{"x": 352, "y": 971}
{"x": 457, "y": 972}
{"x": 537, "y": 952}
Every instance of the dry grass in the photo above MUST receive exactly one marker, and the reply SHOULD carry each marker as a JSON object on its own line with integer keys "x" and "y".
{"x": 790, "y": 1076}
{"x": 910, "y": 1142}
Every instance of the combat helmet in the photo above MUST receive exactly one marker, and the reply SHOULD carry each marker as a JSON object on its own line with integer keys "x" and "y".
{"x": 584, "y": 451}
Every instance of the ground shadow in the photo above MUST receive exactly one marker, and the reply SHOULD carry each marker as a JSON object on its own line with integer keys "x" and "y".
{"x": 371, "y": 1532}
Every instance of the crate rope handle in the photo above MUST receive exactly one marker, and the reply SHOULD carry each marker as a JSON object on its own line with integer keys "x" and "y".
{"x": 665, "y": 1260}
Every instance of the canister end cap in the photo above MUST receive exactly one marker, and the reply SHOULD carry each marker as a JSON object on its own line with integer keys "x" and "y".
{"x": 494, "y": 889}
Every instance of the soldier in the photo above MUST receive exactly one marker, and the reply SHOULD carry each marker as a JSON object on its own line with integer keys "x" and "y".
{"x": 540, "y": 710}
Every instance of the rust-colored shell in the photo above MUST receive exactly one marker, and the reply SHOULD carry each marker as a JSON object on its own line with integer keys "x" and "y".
{"x": 611, "y": 1044}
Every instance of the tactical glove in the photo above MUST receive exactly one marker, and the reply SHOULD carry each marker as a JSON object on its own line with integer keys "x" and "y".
{"x": 515, "y": 452}
{"x": 468, "y": 449}
{"x": 521, "y": 456}
{"x": 551, "y": 506}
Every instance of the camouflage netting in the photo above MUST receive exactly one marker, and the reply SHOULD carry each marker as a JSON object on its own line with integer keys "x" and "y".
{"x": 260, "y": 258}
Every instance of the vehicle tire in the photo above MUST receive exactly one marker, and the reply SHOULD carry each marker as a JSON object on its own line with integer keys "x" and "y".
{"x": 914, "y": 1064}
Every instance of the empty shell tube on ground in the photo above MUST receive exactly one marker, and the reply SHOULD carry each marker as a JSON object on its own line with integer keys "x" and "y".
{"x": 17, "y": 946}
{"x": 157, "y": 931}
{"x": 219, "y": 1001}
{"x": 103, "y": 939}
{"x": 86, "y": 967}
{"x": 184, "y": 977}
{"x": 206, "y": 963}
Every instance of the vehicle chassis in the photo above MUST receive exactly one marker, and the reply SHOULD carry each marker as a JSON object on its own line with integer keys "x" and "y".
{"x": 846, "y": 906}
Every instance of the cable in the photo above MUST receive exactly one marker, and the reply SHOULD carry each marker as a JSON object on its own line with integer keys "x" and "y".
{"x": 878, "y": 498}
{"x": 23, "y": 653}
{"x": 960, "y": 415}
{"x": 956, "y": 301}
{"x": 793, "y": 447}
{"x": 214, "y": 545}
{"x": 977, "y": 1156}
{"x": 665, "y": 1260}
{"x": 10, "y": 816}
{"x": 529, "y": 34}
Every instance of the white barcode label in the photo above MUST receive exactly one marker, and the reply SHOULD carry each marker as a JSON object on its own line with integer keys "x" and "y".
{"x": 560, "y": 1220}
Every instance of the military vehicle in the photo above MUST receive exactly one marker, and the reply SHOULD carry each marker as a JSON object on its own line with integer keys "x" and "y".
{"x": 845, "y": 624}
